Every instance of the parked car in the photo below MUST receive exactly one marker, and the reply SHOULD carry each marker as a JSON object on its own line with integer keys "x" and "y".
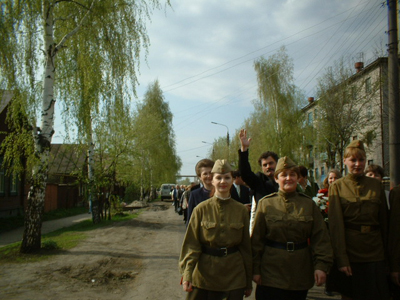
{"x": 165, "y": 191}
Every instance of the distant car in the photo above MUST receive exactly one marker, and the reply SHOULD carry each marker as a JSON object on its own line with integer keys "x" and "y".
{"x": 165, "y": 191}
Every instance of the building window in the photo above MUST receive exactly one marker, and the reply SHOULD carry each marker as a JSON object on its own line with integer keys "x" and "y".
{"x": 315, "y": 114}
{"x": 311, "y": 153}
{"x": 310, "y": 118}
{"x": 368, "y": 87}
{"x": 322, "y": 171}
{"x": 316, "y": 173}
{"x": 370, "y": 162}
{"x": 369, "y": 112}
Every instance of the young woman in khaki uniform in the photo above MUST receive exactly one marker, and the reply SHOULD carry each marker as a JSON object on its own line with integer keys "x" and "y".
{"x": 215, "y": 260}
{"x": 358, "y": 226}
{"x": 290, "y": 241}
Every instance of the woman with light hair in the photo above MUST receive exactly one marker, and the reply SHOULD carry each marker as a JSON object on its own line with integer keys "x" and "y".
{"x": 358, "y": 217}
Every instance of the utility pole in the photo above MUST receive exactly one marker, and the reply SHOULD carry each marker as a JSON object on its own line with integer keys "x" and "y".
{"x": 394, "y": 106}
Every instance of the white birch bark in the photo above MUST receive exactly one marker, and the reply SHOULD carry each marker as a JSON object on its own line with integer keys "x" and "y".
{"x": 31, "y": 240}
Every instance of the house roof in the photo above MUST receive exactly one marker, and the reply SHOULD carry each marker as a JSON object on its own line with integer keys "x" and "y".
{"x": 66, "y": 159}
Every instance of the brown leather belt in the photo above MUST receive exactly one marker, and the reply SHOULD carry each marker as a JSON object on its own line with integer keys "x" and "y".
{"x": 288, "y": 246}
{"x": 362, "y": 228}
{"x": 224, "y": 251}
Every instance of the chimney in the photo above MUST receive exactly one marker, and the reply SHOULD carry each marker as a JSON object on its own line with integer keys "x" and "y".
{"x": 310, "y": 99}
{"x": 359, "y": 66}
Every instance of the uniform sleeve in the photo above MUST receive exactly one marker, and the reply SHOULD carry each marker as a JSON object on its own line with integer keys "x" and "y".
{"x": 336, "y": 227}
{"x": 245, "y": 250}
{"x": 394, "y": 231}
{"x": 246, "y": 173}
{"x": 191, "y": 248}
{"x": 258, "y": 238}
{"x": 320, "y": 242}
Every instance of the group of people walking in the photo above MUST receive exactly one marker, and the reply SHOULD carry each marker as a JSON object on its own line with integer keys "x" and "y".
{"x": 284, "y": 244}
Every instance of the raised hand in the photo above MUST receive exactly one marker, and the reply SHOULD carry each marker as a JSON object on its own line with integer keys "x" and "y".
{"x": 244, "y": 141}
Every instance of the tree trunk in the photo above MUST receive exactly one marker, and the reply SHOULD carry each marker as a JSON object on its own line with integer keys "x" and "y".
{"x": 31, "y": 240}
{"x": 92, "y": 190}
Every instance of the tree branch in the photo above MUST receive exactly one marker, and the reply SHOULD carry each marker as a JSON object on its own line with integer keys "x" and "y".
{"x": 73, "y": 2}
{"x": 67, "y": 36}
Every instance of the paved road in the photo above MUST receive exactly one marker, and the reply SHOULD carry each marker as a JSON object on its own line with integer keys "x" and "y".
{"x": 15, "y": 235}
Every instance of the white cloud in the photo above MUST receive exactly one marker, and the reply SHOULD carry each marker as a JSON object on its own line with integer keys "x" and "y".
{"x": 202, "y": 53}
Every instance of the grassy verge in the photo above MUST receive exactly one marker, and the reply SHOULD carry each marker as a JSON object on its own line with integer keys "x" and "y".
{"x": 59, "y": 240}
{"x": 10, "y": 223}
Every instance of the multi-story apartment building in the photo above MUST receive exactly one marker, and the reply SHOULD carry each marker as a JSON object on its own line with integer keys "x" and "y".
{"x": 369, "y": 83}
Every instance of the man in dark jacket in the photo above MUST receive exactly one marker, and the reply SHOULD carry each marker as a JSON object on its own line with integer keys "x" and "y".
{"x": 262, "y": 183}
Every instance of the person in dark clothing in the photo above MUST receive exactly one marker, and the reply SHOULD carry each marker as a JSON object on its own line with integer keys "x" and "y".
{"x": 307, "y": 185}
{"x": 203, "y": 171}
{"x": 262, "y": 183}
{"x": 240, "y": 190}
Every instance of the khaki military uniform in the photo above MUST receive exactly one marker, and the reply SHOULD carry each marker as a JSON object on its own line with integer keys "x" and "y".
{"x": 357, "y": 220}
{"x": 289, "y": 218}
{"x": 394, "y": 229}
{"x": 217, "y": 223}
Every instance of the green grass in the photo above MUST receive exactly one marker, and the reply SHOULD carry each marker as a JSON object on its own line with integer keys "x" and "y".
{"x": 10, "y": 223}
{"x": 57, "y": 241}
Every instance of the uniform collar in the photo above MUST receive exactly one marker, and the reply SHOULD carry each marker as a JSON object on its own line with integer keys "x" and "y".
{"x": 286, "y": 195}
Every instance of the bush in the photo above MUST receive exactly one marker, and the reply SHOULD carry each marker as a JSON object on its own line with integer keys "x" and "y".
{"x": 131, "y": 194}
{"x": 50, "y": 245}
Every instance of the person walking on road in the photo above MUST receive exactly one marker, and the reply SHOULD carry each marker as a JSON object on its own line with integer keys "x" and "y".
{"x": 358, "y": 217}
{"x": 203, "y": 171}
{"x": 290, "y": 241}
{"x": 215, "y": 260}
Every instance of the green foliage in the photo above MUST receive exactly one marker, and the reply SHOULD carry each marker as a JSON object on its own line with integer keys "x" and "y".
{"x": 132, "y": 193}
{"x": 157, "y": 161}
{"x": 343, "y": 108}
{"x": 50, "y": 245}
{"x": 276, "y": 123}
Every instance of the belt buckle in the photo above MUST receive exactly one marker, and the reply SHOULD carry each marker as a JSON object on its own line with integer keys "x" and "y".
{"x": 290, "y": 246}
{"x": 365, "y": 228}
{"x": 225, "y": 249}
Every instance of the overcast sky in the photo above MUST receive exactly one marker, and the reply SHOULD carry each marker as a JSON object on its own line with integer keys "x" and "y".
{"x": 202, "y": 52}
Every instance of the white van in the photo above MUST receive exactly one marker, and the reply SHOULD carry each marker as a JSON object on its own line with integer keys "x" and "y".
{"x": 165, "y": 191}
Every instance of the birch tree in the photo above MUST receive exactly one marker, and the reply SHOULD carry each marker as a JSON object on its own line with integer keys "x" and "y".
{"x": 35, "y": 33}
{"x": 276, "y": 121}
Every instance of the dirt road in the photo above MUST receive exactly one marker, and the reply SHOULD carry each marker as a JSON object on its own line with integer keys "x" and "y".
{"x": 135, "y": 260}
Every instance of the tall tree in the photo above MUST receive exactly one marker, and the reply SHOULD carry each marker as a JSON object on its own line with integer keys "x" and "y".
{"x": 344, "y": 109}
{"x": 276, "y": 122}
{"x": 34, "y": 34}
{"x": 156, "y": 139}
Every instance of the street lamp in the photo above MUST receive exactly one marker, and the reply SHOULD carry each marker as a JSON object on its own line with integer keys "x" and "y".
{"x": 227, "y": 131}
{"x": 227, "y": 134}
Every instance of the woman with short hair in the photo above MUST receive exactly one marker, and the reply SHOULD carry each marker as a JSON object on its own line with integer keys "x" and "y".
{"x": 290, "y": 242}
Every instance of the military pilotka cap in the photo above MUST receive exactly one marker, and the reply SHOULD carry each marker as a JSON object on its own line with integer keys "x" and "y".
{"x": 356, "y": 144}
{"x": 221, "y": 166}
{"x": 284, "y": 163}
